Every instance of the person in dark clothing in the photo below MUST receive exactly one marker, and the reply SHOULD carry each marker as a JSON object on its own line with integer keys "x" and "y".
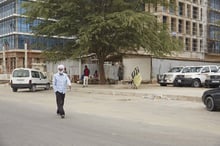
{"x": 120, "y": 73}
{"x": 96, "y": 75}
{"x": 86, "y": 76}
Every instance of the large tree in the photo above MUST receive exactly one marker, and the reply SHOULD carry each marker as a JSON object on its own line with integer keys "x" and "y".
{"x": 104, "y": 27}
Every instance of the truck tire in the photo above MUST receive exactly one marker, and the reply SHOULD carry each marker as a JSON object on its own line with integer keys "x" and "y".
{"x": 196, "y": 83}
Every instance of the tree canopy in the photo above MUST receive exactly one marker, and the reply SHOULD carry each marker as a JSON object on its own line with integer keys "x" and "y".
{"x": 104, "y": 27}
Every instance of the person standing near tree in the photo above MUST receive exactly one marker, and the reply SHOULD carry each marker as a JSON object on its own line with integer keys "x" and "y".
{"x": 120, "y": 73}
{"x": 60, "y": 83}
{"x": 86, "y": 76}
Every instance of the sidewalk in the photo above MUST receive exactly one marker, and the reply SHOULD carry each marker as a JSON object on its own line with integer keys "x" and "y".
{"x": 151, "y": 91}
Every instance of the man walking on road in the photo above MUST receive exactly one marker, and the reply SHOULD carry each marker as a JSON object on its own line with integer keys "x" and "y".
{"x": 60, "y": 83}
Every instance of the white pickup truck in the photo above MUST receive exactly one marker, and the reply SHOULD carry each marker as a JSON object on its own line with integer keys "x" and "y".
{"x": 169, "y": 77}
{"x": 213, "y": 80}
{"x": 195, "y": 76}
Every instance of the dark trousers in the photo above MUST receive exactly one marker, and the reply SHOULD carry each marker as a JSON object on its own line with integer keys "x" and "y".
{"x": 60, "y": 103}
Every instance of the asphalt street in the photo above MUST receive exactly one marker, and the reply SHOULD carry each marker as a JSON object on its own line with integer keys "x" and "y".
{"x": 110, "y": 115}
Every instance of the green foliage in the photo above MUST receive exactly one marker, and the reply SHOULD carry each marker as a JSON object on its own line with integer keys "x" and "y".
{"x": 104, "y": 27}
{"x": 120, "y": 32}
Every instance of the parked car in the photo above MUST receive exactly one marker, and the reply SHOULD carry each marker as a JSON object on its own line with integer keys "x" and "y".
{"x": 211, "y": 99}
{"x": 213, "y": 80}
{"x": 28, "y": 78}
{"x": 169, "y": 77}
{"x": 195, "y": 76}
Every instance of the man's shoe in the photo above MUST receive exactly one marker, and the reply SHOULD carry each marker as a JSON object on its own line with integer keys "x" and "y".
{"x": 62, "y": 116}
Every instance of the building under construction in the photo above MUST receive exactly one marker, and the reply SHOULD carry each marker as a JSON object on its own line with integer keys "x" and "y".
{"x": 195, "y": 22}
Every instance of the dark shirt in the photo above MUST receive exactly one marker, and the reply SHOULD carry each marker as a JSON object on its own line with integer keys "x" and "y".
{"x": 86, "y": 72}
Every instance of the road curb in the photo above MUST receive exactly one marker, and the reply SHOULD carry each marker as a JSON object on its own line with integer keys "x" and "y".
{"x": 141, "y": 94}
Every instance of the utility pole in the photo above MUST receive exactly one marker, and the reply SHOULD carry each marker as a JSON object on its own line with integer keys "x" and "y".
{"x": 25, "y": 54}
{"x": 4, "y": 60}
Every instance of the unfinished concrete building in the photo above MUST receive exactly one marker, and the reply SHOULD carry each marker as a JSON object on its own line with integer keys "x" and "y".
{"x": 196, "y": 23}
{"x": 187, "y": 21}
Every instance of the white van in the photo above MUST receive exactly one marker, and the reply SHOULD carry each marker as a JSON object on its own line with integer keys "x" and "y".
{"x": 28, "y": 78}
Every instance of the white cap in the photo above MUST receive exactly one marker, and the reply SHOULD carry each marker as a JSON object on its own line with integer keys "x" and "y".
{"x": 60, "y": 66}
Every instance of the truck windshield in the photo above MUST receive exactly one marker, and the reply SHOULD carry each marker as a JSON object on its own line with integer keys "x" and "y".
{"x": 191, "y": 69}
{"x": 176, "y": 69}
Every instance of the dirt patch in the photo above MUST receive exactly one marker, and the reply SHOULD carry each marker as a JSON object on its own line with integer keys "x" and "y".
{"x": 4, "y": 81}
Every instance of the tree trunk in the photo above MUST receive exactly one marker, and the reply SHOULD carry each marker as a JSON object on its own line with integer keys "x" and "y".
{"x": 101, "y": 71}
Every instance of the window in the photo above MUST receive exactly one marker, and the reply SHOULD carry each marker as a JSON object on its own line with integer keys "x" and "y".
{"x": 35, "y": 74}
{"x": 181, "y": 9}
{"x": 194, "y": 29}
{"x": 187, "y": 44}
{"x": 205, "y": 70}
{"x": 42, "y": 75}
{"x": 173, "y": 25}
{"x": 188, "y": 26}
{"x": 172, "y": 6}
{"x": 213, "y": 68}
{"x": 165, "y": 19}
{"x": 180, "y": 26}
{"x": 195, "y": 13}
{"x": 195, "y": 45}
{"x": 189, "y": 11}
{"x": 21, "y": 73}
{"x": 200, "y": 29}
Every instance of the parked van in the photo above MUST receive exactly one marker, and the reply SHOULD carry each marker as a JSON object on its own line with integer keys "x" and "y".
{"x": 28, "y": 78}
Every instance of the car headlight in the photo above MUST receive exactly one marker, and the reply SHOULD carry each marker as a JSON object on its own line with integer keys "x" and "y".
{"x": 168, "y": 77}
{"x": 208, "y": 77}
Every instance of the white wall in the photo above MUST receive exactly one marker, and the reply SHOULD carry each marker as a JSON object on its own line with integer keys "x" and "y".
{"x": 5, "y": 76}
{"x": 144, "y": 64}
{"x": 129, "y": 63}
{"x": 72, "y": 67}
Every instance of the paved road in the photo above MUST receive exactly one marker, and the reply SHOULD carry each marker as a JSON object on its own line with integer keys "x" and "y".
{"x": 95, "y": 118}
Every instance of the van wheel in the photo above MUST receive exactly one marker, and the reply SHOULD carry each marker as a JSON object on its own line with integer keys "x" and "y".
{"x": 47, "y": 87}
{"x": 33, "y": 88}
{"x": 14, "y": 89}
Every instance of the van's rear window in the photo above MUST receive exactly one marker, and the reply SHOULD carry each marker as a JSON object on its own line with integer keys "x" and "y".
{"x": 21, "y": 73}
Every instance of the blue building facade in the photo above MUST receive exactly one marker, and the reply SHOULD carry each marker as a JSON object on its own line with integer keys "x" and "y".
{"x": 14, "y": 33}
